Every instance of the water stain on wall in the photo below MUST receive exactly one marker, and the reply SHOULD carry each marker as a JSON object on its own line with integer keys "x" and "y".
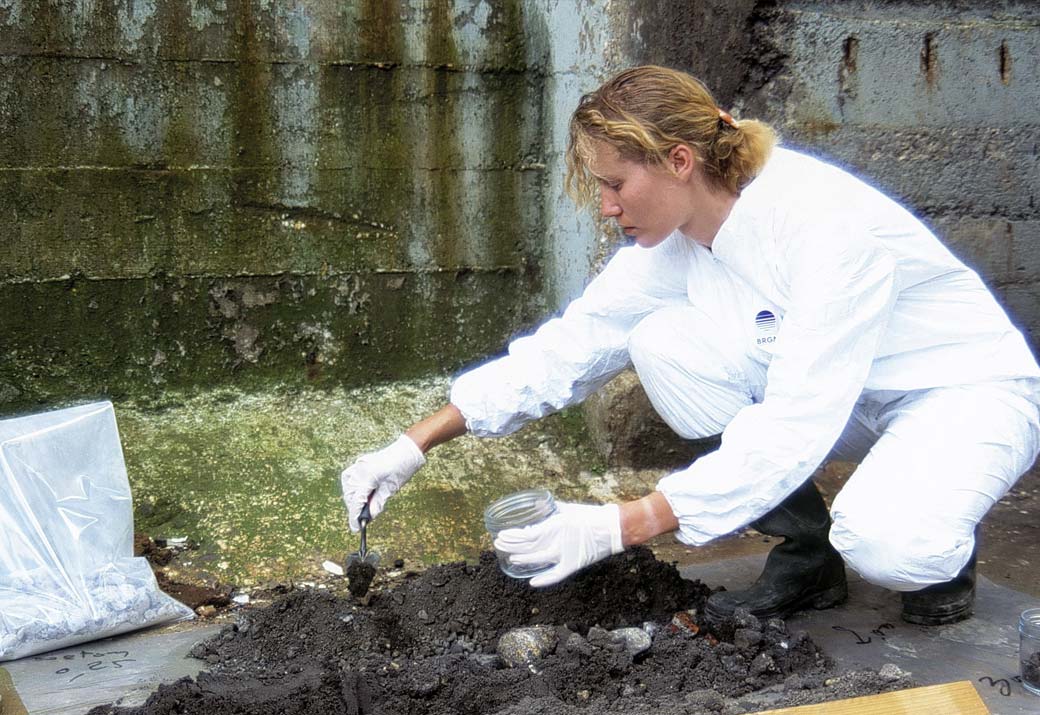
{"x": 246, "y": 147}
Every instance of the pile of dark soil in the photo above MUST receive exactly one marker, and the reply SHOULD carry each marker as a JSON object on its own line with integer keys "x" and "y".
{"x": 428, "y": 645}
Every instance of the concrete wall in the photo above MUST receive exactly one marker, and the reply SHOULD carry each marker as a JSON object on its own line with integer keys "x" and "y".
{"x": 937, "y": 103}
{"x": 312, "y": 191}
{"x": 578, "y": 59}
{"x": 252, "y": 190}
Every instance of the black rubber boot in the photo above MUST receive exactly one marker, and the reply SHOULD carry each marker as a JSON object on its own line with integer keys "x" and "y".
{"x": 804, "y": 571}
{"x": 943, "y": 603}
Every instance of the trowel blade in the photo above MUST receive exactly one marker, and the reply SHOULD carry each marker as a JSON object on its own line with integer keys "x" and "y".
{"x": 361, "y": 567}
{"x": 370, "y": 557}
{"x": 363, "y": 557}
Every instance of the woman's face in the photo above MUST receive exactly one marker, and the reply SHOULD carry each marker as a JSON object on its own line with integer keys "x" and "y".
{"x": 644, "y": 200}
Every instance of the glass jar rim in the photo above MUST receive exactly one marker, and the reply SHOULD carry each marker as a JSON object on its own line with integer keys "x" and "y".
{"x": 519, "y": 508}
{"x": 1030, "y": 617}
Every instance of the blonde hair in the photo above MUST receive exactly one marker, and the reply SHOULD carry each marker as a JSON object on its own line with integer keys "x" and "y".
{"x": 645, "y": 111}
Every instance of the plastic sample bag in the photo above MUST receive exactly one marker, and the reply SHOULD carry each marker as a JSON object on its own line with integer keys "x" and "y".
{"x": 67, "y": 569}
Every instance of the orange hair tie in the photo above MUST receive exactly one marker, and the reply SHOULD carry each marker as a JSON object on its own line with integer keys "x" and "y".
{"x": 727, "y": 118}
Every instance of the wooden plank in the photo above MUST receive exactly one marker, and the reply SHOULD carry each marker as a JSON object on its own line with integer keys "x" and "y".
{"x": 958, "y": 698}
{"x": 10, "y": 703}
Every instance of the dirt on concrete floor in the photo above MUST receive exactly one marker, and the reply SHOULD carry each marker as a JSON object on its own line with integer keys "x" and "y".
{"x": 426, "y": 642}
{"x": 1009, "y": 552}
{"x": 621, "y": 636}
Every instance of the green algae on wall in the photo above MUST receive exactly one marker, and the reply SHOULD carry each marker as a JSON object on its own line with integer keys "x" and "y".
{"x": 118, "y": 338}
{"x": 253, "y": 478}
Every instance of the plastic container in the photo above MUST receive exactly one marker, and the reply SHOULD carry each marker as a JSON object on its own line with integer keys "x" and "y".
{"x": 515, "y": 511}
{"x": 1029, "y": 649}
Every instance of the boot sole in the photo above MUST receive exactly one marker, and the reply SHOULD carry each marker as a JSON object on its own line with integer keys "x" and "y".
{"x": 941, "y": 616}
{"x": 943, "y": 620}
{"x": 821, "y": 600}
{"x": 939, "y": 610}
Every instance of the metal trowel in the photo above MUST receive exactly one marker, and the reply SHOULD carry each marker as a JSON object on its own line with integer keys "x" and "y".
{"x": 361, "y": 564}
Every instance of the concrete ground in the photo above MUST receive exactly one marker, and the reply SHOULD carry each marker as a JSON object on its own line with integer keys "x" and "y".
{"x": 253, "y": 480}
{"x": 1009, "y": 549}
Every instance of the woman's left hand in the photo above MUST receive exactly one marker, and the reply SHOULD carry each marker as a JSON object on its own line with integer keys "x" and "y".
{"x": 574, "y": 537}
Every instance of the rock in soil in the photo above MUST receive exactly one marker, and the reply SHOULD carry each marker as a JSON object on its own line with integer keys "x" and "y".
{"x": 527, "y": 645}
{"x": 428, "y": 645}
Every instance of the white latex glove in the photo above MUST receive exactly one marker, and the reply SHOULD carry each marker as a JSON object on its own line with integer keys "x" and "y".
{"x": 574, "y": 537}
{"x": 379, "y": 475}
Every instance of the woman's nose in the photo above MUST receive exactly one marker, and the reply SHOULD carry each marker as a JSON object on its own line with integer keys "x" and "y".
{"x": 608, "y": 205}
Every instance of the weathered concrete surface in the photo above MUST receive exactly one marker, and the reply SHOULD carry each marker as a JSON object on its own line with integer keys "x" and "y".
{"x": 581, "y": 51}
{"x": 120, "y": 337}
{"x": 155, "y": 152}
{"x": 935, "y": 103}
{"x": 252, "y": 476}
{"x": 372, "y": 170}
{"x": 711, "y": 40}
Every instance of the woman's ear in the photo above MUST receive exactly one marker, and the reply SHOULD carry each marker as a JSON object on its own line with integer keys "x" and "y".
{"x": 682, "y": 161}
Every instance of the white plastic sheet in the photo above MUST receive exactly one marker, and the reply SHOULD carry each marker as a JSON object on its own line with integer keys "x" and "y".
{"x": 67, "y": 570}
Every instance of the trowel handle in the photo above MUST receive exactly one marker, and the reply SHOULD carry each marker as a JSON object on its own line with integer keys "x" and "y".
{"x": 363, "y": 520}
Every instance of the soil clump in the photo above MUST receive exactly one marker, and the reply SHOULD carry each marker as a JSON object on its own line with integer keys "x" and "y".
{"x": 431, "y": 644}
{"x": 359, "y": 577}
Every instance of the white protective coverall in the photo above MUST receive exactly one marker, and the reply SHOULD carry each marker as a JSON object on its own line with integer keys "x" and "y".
{"x": 824, "y": 319}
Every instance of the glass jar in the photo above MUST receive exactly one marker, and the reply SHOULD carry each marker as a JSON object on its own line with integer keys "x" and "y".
{"x": 1029, "y": 649}
{"x": 515, "y": 511}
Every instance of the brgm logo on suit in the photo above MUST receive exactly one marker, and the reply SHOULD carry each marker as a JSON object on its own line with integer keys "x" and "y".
{"x": 766, "y": 327}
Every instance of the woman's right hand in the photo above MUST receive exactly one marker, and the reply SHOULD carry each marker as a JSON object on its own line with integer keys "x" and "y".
{"x": 377, "y": 476}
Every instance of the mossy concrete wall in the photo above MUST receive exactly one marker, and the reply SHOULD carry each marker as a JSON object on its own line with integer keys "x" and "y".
{"x": 247, "y": 190}
{"x": 338, "y": 192}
